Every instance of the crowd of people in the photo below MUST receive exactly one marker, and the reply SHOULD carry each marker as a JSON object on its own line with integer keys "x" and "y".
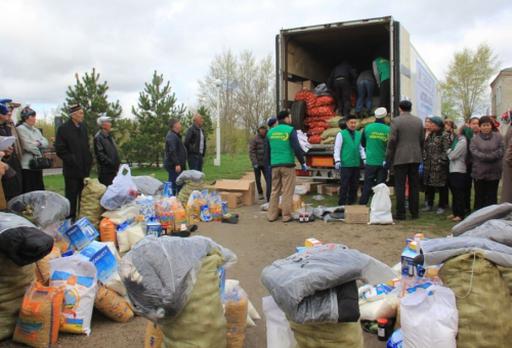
{"x": 433, "y": 156}
{"x": 23, "y": 162}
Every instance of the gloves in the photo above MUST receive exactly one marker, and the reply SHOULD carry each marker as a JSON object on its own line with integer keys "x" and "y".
{"x": 337, "y": 165}
{"x": 304, "y": 167}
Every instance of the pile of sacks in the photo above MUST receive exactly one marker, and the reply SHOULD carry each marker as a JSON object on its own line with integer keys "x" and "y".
{"x": 54, "y": 273}
{"x": 184, "y": 293}
{"x": 316, "y": 291}
{"x": 320, "y": 116}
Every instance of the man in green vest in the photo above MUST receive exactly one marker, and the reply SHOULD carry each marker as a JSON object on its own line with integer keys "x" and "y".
{"x": 382, "y": 72}
{"x": 375, "y": 141}
{"x": 348, "y": 154}
{"x": 284, "y": 146}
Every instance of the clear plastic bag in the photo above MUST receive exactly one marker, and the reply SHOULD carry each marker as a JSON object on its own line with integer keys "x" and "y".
{"x": 148, "y": 185}
{"x": 122, "y": 191}
{"x": 236, "y": 305}
{"x": 279, "y": 334}
{"x": 41, "y": 207}
{"x": 160, "y": 273}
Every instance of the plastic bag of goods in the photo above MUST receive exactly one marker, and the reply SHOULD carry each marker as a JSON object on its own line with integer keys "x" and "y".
{"x": 128, "y": 212}
{"x": 146, "y": 206}
{"x": 190, "y": 175}
{"x": 235, "y": 310}
{"x": 160, "y": 286}
{"x": 57, "y": 231}
{"x": 129, "y": 234}
{"x": 21, "y": 241}
{"x": 165, "y": 208}
{"x": 279, "y": 334}
{"x": 148, "y": 185}
{"x": 108, "y": 231}
{"x": 180, "y": 217}
{"x": 14, "y": 280}
{"x": 215, "y": 206}
{"x": 112, "y": 305}
{"x": 194, "y": 204}
{"x": 41, "y": 207}
{"x": 78, "y": 277}
{"x": 154, "y": 337}
{"x": 380, "y": 208}
{"x": 90, "y": 206}
{"x": 43, "y": 266}
{"x": 122, "y": 191}
{"x": 39, "y": 319}
{"x": 429, "y": 318}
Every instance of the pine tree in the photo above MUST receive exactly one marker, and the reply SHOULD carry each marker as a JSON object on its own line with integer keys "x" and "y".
{"x": 156, "y": 106}
{"x": 91, "y": 94}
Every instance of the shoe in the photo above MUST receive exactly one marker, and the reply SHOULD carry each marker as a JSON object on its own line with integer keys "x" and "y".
{"x": 440, "y": 211}
{"x": 457, "y": 219}
{"x": 427, "y": 209}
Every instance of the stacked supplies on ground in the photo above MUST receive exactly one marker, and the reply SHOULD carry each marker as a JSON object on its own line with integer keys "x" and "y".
{"x": 316, "y": 290}
{"x": 182, "y": 293}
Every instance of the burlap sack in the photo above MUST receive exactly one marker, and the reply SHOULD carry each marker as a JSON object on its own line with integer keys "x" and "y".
{"x": 483, "y": 301}
{"x": 328, "y": 335}
{"x": 90, "y": 200}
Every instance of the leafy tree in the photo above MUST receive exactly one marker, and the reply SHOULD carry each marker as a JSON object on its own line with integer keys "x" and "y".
{"x": 91, "y": 94}
{"x": 467, "y": 78}
{"x": 156, "y": 106}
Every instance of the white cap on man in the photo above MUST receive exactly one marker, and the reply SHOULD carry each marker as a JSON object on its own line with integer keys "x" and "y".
{"x": 103, "y": 119}
{"x": 381, "y": 112}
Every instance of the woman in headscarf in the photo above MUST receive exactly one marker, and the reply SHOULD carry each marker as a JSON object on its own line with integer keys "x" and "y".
{"x": 33, "y": 144}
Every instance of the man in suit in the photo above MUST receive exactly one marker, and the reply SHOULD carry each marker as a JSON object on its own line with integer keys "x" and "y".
{"x": 72, "y": 146}
{"x": 404, "y": 153}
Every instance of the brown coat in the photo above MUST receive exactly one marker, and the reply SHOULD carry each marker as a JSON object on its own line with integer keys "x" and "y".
{"x": 506, "y": 189}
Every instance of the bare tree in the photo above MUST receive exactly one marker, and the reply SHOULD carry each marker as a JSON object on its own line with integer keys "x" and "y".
{"x": 467, "y": 79}
{"x": 246, "y": 94}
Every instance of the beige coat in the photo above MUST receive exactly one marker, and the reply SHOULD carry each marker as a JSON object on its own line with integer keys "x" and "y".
{"x": 506, "y": 189}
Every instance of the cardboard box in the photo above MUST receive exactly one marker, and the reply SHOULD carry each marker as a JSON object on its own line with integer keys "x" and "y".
{"x": 246, "y": 187}
{"x": 308, "y": 84}
{"x": 331, "y": 190}
{"x": 81, "y": 233}
{"x": 103, "y": 259}
{"x": 356, "y": 214}
{"x": 312, "y": 242}
{"x": 293, "y": 89}
{"x": 233, "y": 199}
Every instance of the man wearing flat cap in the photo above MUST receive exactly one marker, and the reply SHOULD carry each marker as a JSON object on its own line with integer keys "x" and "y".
{"x": 107, "y": 157}
{"x": 72, "y": 146}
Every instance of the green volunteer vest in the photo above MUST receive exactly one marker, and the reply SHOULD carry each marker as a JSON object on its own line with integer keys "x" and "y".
{"x": 376, "y": 135}
{"x": 383, "y": 68}
{"x": 281, "y": 151}
{"x": 350, "y": 155}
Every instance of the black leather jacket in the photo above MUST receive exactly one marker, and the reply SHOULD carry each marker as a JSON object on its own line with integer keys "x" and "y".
{"x": 193, "y": 140}
{"x": 106, "y": 153}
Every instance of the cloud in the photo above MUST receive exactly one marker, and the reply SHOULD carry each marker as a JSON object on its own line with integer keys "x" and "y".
{"x": 44, "y": 43}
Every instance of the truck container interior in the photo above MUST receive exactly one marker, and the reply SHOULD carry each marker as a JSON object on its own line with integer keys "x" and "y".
{"x": 313, "y": 54}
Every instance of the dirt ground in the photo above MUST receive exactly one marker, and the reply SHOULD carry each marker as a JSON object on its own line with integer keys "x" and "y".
{"x": 257, "y": 244}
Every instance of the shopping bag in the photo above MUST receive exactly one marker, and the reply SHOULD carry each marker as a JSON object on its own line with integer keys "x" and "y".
{"x": 429, "y": 318}
{"x": 122, "y": 191}
{"x": 380, "y": 208}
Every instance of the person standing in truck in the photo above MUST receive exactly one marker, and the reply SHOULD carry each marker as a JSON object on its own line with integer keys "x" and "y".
{"x": 365, "y": 88}
{"x": 348, "y": 154}
{"x": 257, "y": 157}
{"x": 382, "y": 73}
{"x": 340, "y": 82}
{"x": 404, "y": 153}
{"x": 375, "y": 140}
{"x": 284, "y": 147}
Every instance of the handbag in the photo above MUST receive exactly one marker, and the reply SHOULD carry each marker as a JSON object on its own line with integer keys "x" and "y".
{"x": 40, "y": 163}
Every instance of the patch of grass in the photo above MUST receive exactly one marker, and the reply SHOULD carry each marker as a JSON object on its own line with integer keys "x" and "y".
{"x": 232, "y": 167}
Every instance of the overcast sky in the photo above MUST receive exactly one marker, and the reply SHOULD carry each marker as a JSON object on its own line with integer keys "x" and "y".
{"x": 45, "y": 42}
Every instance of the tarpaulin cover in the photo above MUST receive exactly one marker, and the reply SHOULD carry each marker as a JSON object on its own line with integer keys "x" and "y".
{"x": 21, "y": 241}
{"x": 293, "y": 281}
{"x": 496, "y": 230}
{"x": 160, "y": 273}
{"x": 496, "y": 211}
{"x": 148, "y": 185}
{"x": 42, "y": 207}
{"x": 190, "y": 175}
